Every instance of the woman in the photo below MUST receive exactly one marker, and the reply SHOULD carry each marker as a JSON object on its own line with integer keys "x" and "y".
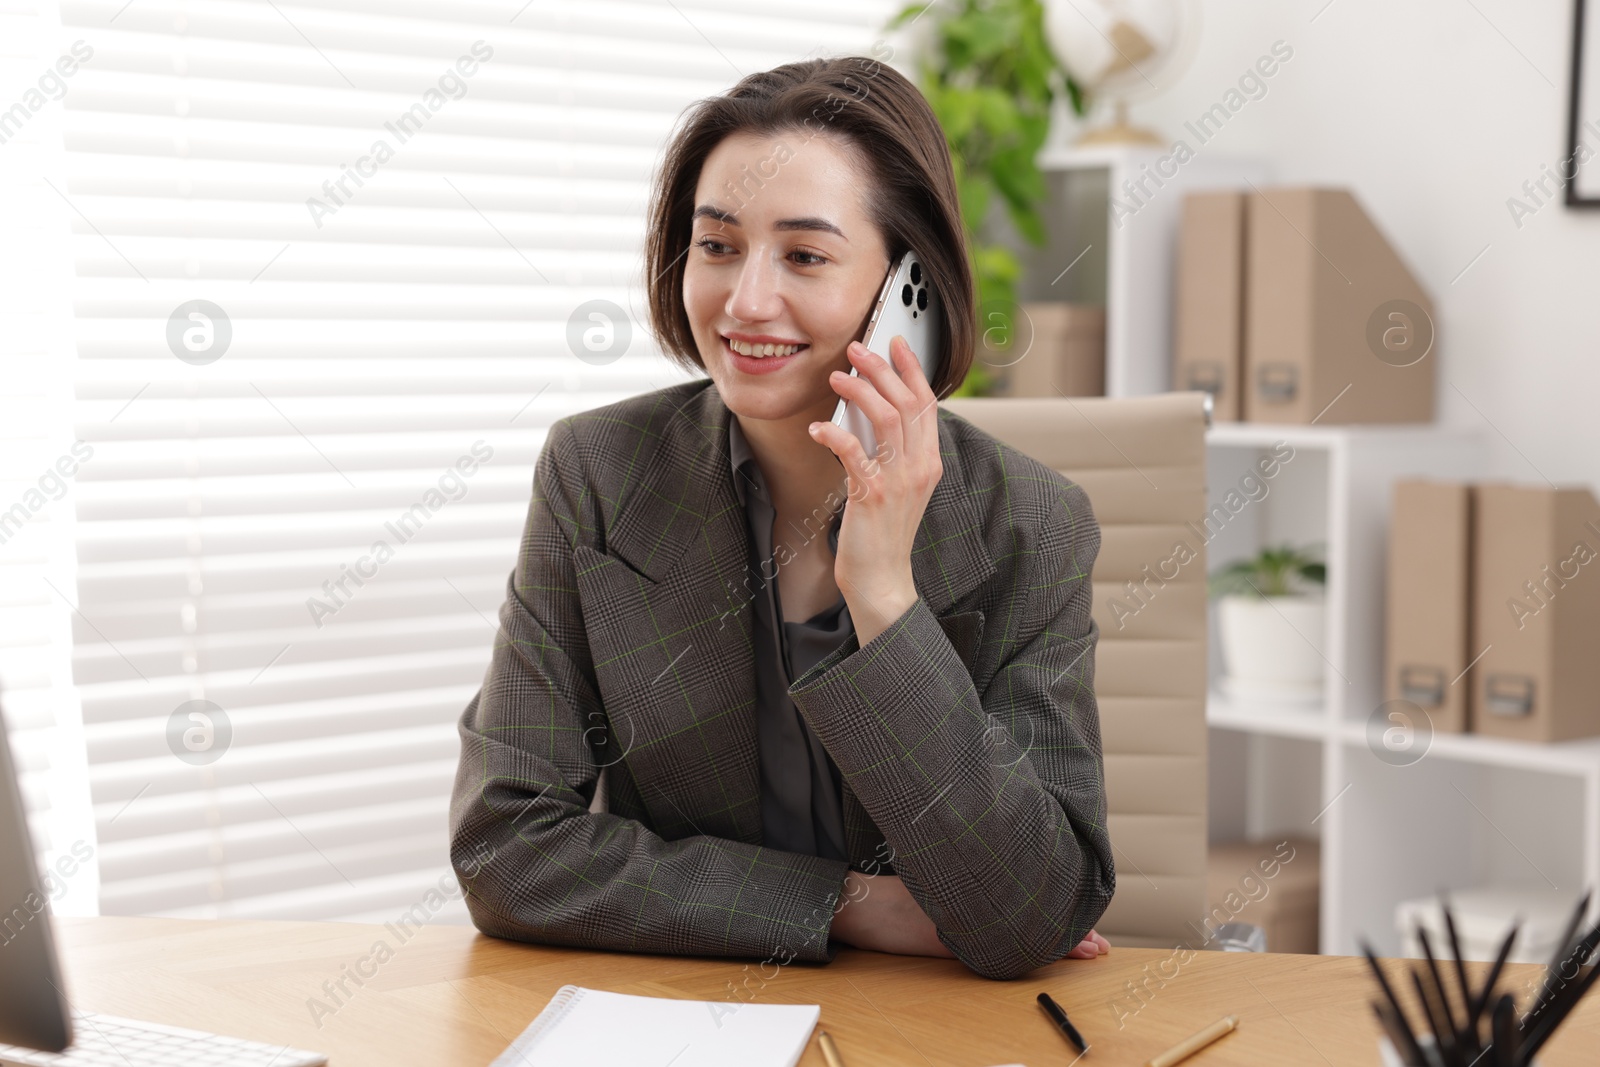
{"x": 837, "y": 698}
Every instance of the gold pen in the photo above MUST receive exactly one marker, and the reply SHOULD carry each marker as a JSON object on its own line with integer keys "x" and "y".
{"x": 830, "y": 1051}
{"x": 1189, "y": 1046}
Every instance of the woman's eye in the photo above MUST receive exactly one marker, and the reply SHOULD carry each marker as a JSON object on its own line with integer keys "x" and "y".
{"x": 802, "y": 257}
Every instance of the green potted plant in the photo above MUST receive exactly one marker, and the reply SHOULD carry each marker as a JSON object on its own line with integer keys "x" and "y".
{"x": 992, "y": 79}
{"x": 1271, "y": 620}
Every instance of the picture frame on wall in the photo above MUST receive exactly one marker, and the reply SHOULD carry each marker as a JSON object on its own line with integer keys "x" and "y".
{"x": 1583, "y": 113}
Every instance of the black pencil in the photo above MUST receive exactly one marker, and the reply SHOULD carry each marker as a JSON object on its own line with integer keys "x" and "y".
{"x": 1443, "y": 1040}
{"x": 1562, "y": 1004}
{"x": 1413, "y": 1048}
{"x": 1565, "y": 947}
{"x": 1438, "y": 982}
{"x": 1482, "y": 1001}
{"x": 1404, "y": 1044}
{"x": 1558, "y": 994}
{"x": 1461, "y": 975}
{"x": 1502, "y": 1033}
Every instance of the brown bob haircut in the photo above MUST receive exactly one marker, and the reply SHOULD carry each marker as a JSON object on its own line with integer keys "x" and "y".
{"x": 911, "y": 198}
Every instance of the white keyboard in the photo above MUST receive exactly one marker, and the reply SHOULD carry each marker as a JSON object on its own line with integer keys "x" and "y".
{"x": 105, "y": 1041}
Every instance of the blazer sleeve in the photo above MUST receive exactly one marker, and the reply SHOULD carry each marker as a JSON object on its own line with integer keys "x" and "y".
{"x": 537, "y": 865}
{"x": 994, "y": 803}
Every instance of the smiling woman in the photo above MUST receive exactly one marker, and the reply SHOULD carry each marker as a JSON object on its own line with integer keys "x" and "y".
{"x": 842, "y": 764}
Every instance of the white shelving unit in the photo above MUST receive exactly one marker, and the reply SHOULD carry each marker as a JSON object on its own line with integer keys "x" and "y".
{"x": 1473, "y": 810}
{"x": 1111, "y": 216}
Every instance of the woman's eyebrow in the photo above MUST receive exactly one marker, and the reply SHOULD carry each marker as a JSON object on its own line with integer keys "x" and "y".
{"x": 810, "y": 222}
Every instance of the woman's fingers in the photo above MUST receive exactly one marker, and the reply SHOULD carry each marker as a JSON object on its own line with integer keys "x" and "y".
{"x": 894, "y": 417}
{"x": 900, "y": 381}
{"x": 922, "y": 421}
{"x": 866, "y": 391}
{"x": 884, "y": 373}
{"x": 1092, "y": 946}
{"x": 848, "y": 448}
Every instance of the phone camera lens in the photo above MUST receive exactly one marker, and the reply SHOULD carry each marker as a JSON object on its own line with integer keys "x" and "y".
{"x": 916, "y": 273}
{"x": 905, "y": 296}
{"x": 922, "y": 300}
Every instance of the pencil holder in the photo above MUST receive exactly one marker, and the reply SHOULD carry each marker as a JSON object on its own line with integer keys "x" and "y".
{"x": 1454, "y": 1020}
{"x": 1392, "y": 1058}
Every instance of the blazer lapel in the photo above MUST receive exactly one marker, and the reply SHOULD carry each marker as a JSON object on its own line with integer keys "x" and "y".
{"x": 672, "y": 655}
{"x": 672, "y": 651}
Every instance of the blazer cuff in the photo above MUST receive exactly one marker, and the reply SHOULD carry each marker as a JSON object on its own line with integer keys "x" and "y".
{"x": 912, "y": 662}
{"x": 808, "y": 916}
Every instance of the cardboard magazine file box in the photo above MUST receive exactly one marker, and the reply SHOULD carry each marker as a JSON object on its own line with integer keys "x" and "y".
{"x": 1275, "y": 884}
{"x": 1208, "y": 330}
{"x": 1065, "y": 353}
{"x": 1337, "y": 330}
{"x": 1428, "y": 607}
{"x": 1536, "y": 609}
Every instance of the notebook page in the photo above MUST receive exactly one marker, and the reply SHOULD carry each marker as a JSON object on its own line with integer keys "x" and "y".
{"x": 596, "y": 1028}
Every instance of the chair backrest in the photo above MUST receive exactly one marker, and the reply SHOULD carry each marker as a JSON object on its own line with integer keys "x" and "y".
{"x": 1142, "y": 462}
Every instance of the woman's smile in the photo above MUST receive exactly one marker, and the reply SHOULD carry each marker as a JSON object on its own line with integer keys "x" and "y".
{"x": 760, "y": 353}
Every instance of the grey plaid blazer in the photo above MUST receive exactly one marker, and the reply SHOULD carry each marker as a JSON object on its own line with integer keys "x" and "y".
{"x": 966, "y": 733}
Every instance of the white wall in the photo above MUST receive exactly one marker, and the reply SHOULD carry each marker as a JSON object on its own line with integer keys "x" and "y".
{"x": 1426, "y": 109}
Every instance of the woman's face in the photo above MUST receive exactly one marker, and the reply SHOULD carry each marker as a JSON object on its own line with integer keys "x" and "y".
{"x": 782, "y": 253}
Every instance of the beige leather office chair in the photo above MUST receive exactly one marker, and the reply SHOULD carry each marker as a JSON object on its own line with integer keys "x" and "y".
{"x": 1142, "y": 461}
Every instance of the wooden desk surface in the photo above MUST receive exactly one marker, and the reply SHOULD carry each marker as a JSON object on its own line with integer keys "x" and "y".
{"x": 451, "y": 996}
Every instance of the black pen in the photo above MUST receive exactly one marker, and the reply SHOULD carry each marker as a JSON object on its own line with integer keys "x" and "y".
{"x": 1054, "y": 1011}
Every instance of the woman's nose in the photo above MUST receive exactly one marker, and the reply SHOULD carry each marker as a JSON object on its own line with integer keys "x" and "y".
{"x": 756, "y": 295}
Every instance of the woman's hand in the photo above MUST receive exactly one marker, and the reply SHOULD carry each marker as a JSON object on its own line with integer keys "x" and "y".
{"x": 880, "y": 913}
{"x": 889, "y": 492}
{"x": 1090, "y": 947}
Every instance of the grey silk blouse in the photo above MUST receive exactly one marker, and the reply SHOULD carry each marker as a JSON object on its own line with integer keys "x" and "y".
{"x": 800, "y": 785}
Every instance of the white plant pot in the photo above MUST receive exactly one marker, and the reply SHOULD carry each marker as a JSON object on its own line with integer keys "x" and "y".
{"x": 1272, "y": 647}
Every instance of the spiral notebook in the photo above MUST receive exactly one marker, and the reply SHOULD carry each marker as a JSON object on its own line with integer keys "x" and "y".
{"x": 594, "y": 1028}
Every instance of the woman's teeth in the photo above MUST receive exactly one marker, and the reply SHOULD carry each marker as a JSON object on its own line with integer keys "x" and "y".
{"x": 747, "y": 349}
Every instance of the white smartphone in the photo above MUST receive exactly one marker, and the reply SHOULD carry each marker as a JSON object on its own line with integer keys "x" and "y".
{"x": 908, "y": 306}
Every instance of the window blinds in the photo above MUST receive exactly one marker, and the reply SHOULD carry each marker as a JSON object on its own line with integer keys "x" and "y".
{"x": 327, "y": 257}
{"x": 39, "y": 460}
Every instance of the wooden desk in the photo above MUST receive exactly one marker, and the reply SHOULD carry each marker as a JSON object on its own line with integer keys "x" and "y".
{"x": 450, "y": 996}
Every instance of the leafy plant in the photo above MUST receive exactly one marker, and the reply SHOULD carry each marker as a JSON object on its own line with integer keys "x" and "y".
{"x": 1273, "y": 572}
{"x": 991, "y": 80}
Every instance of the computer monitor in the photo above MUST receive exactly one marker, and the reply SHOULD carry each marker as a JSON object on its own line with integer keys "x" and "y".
{"x": 33, "y": 1001}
